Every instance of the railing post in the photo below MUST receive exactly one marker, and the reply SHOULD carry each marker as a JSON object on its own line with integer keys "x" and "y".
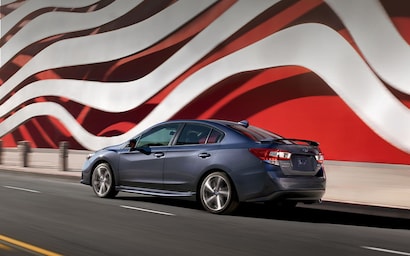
{"x": 63, "y": 156}
{"x": 24, "y": 148}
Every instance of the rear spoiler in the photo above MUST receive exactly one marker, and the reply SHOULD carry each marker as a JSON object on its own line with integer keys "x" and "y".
{"x": 309, "y": 142}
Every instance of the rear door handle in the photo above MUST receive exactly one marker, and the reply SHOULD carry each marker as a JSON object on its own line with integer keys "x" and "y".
{"x": 159, "y": 154}
{"x": 204, "y": 155}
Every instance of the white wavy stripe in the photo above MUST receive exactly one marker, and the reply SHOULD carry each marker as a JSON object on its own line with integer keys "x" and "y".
{"x": 378, "y": 39}
{"x": 319, "y": 49}
{"x": 129, "y": 95}
{"x": 138, "y": 91}
{"x": 110, "y": 45}
{"x": 30, "y": 6}
{"x": 86, "y": 139}
{"x": 63, "y": 22}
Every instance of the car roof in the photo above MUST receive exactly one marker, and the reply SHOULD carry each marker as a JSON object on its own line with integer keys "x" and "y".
{"x": 204, "y": 121}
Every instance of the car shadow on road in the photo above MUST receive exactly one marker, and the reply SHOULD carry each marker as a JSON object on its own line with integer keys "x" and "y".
{"x": 329, "y": 212}
{"x": 333, "y": 213}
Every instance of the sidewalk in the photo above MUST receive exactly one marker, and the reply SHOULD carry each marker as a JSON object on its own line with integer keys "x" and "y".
{"x": 44, "y": 161}
{"x": 347, "y": 182}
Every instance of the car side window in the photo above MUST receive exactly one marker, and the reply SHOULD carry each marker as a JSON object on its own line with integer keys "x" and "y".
{"x": 193, "y": 134}
{"x": 214, "y": 137}
{"x": 158, "y": 136}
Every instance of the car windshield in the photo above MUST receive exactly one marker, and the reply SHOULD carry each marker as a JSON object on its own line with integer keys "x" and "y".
{"x": 255, "y": 133}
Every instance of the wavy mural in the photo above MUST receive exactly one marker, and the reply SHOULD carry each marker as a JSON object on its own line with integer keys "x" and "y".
{"x": 95, "y": 73}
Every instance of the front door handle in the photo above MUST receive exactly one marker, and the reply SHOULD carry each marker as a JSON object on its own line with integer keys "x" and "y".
{"x": 204, "y": 155}
{"x": 159, "y": 154}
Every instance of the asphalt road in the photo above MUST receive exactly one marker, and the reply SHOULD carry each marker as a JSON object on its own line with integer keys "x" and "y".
{"x": 50, "y": 216}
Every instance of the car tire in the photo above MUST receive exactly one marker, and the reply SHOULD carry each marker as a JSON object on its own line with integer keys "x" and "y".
{"x": 217, "y": 194}
{"x": 102, "y": 181}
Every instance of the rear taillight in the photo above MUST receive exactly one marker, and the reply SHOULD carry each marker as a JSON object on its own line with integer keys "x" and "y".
{"x": 320, "y": 158}
{"x": 272, "y": 156}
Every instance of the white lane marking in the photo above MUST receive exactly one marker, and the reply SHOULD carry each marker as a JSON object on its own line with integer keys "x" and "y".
{"x": 22, "y": 189}
{"x": 146, "y": 210}
{"x": 386, "y": 250}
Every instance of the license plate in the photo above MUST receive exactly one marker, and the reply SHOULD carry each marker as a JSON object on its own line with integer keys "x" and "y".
{"x": 303, "y": 163}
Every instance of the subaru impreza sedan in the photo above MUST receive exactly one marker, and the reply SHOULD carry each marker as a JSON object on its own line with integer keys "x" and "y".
{"x": 216, "y": 162}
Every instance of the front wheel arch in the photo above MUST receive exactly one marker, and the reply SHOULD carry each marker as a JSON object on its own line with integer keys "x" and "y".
{"x": 103, "y": 180}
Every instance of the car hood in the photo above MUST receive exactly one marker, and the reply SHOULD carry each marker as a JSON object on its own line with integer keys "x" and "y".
{"x": 114, "y": 148}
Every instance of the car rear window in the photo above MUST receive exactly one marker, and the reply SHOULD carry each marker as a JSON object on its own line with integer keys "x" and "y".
{"x": 255, "y": 133}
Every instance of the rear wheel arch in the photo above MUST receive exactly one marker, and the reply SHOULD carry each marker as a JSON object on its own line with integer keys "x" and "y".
{"x": 204, "y": 175}
{"x": 233, "y": 199}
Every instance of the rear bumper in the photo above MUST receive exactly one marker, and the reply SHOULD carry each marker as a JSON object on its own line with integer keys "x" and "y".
{"x": 300, "y": 183}
{"x": 296, "y": 188}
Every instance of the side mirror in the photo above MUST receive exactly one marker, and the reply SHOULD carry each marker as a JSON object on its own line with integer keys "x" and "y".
{"x": 131, "y": 144}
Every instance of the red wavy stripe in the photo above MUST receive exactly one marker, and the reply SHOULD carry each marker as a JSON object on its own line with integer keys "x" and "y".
{"x": 327, "y": 119}
{"x": 403, "y": 26}
{"x": 291, "y": 108}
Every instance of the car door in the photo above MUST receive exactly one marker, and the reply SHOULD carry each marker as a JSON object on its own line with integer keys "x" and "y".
{"x": 189, "y": 156}
{"x": 144, "y": 168}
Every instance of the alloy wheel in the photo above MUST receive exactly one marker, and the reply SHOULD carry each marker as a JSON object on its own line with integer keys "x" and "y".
{"x": 217, "y": 194}
{"x": 102, "y": 181}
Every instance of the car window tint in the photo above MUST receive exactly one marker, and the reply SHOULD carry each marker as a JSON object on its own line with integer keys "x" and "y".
{"x": 158, "y": 136}
{"x": 193, "y": 134}
{"x": 215, "y": 137}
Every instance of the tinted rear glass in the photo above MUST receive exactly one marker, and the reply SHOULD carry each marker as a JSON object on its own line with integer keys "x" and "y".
{"x": 255, "y": 133}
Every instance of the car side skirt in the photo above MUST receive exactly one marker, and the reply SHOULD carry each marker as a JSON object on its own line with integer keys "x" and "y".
{"x": 154, "y": 192}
